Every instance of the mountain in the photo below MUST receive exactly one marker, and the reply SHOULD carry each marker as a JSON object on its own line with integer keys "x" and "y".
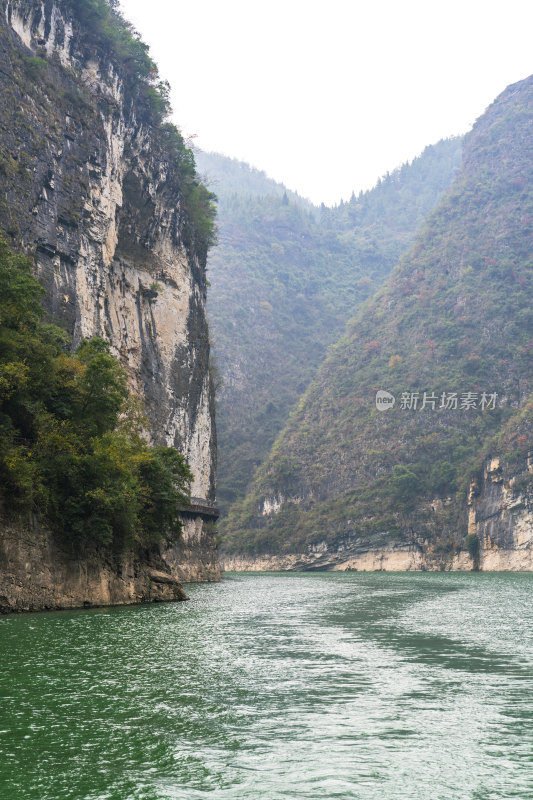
{"x": 444, "y": 472}
{"x": 228, "y": 176}
{"x": 101, "y": 192}
{"x": 285, "y": 278}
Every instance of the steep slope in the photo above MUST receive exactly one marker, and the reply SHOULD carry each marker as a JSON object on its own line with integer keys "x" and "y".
{"x": 285, "y": 279}
{"x": 229, "y": 176}
{"x": 103, "y": 193}
{"x": 345, "y": 478}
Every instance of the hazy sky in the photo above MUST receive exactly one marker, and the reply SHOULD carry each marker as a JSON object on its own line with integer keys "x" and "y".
{"x": 327, "y": 96}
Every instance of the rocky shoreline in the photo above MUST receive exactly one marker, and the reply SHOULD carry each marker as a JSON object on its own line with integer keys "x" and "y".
{"x": 387, "y": 560}
{"x": 38, "y": 572}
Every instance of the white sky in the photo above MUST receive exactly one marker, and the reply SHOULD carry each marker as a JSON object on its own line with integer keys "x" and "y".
{"x": 327, "y": 96}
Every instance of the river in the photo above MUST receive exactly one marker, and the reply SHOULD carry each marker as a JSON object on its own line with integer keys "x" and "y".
{"x": 375, "y": 686}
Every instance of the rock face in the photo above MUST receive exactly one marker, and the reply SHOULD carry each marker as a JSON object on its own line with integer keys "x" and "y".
{"x": 91, "y": 187}
{"x": 38, "y": 573}
{"x": 500, "y": 515}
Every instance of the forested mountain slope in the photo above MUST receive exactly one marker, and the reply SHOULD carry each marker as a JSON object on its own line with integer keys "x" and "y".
{"x": 285, "y": 279}
{"x": 229, "y": 176}
{"x": 454, "y": 318}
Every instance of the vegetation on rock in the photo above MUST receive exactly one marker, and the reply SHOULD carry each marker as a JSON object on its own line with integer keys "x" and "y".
{"x": 71, "y": 443}
{"x": 285, "y": 279}
{"x": 454, "y": 317}
{"x": 41, "y": 86}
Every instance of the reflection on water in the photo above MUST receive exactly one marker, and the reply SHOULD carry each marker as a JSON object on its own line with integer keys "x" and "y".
{"x": 277, "y": 686}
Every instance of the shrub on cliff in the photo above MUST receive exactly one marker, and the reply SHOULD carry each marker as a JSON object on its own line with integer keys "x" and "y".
{"x": 71, "y": 444}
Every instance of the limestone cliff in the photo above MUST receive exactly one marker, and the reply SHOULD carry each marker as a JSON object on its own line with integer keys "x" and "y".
{"x": 499, "y": 511}
{"x": 500, "y": 515}
{"x": 93, "y": 186}
{"x": 39, "y": 572}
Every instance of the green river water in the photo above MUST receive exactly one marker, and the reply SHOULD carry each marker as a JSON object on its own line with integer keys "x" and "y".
{"x": 324, "y": 685}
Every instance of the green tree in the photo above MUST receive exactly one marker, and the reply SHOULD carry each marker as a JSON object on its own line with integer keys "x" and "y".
{"x": 103, "y": 388}
{"x": 72, "y": 447}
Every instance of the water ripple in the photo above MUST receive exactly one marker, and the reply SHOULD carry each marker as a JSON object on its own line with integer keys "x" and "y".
{"x": 269, "y": 687}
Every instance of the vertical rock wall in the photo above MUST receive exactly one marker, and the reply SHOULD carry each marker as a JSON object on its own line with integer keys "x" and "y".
{"x": 95, "y": 193}
{"x": 500, "y": 514}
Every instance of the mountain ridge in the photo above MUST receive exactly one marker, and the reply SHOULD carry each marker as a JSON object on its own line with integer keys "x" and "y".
{"x": 285, "y": 279}
{"x": 453, "y": 317}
